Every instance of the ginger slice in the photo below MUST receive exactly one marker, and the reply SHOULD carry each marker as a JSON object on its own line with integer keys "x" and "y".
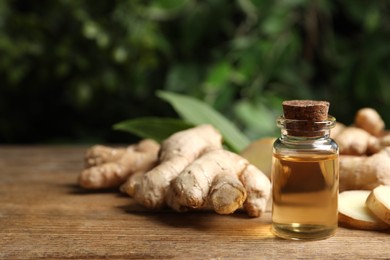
{"x": 379, "y": 202}
{"x": 353, "y": 212}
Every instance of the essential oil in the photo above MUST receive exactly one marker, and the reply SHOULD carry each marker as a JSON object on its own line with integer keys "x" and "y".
{"x": 305, "y": 173}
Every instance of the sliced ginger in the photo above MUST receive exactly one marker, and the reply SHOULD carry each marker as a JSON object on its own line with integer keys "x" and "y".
{"x": 379, "y": 202}
{"x": 353, "y": 212}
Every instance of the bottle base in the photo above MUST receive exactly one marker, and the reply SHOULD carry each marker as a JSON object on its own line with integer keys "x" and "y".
{"x": 297, "y": 231}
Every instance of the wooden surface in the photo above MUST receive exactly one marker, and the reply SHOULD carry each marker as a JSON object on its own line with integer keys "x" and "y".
{"x": 43, "y": 214}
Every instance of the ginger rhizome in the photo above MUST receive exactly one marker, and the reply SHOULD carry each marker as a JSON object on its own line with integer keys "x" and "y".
{"x": 364, "y": 152}
{"x": 223, "y": 181}
{"x": 369, "y": 120}
{"x": 364, "y": 170}
{"x": 356, "y": 141}
{"x": 190, "y": 170}
{"x": 177, "y": 152}
{"x": 362, "y": 138}
{"x": 108, "y": 167}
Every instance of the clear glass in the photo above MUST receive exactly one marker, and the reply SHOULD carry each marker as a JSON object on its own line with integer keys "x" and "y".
{"x": 305, "y": 178}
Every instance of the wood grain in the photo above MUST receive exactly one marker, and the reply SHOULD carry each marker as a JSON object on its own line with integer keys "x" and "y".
{"x": 43, "y": 214}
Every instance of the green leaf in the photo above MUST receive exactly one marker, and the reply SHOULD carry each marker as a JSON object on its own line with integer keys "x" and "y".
{"x": 251, "y": 113}
{"x": 153, "y": 127}
{"x": 197, "y": 112}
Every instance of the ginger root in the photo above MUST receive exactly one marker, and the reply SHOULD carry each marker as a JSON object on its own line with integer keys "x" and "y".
{"x": 366, "y": 137}
{"x": 364, "y": 152}
{"x": 108, "y": 167}
{"x": 223, "y": 181}
{"x": 369, "y": 120}
{"x": 364, "y": 165}
{"x": 177, "y": 152}
{"x": 190, "y": 171}
{"x": 365, "y": 172}
{"x": 356, "y": 141}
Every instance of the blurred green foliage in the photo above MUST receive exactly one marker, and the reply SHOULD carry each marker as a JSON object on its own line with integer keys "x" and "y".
{"x": 69, "y": 70}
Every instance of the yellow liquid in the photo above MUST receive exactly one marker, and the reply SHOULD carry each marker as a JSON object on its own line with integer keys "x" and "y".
{"x": 305, "y": 190}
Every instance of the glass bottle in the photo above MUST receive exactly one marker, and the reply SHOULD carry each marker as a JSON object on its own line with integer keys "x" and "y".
{"x": 305, "y": 177}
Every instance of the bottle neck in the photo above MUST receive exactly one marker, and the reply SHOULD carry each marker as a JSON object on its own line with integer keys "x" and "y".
{"x": 294, "y": 130}
{"x": 305, "y": 137}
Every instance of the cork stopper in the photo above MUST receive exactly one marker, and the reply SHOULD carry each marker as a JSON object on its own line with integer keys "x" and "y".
{"x": 303, "y": 117}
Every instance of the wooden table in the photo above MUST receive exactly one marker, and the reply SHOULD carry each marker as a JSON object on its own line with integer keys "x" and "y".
{"x": 44, "y": 214}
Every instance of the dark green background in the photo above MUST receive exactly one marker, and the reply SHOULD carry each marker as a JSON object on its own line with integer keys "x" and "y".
{"x": 70, "y": 69}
